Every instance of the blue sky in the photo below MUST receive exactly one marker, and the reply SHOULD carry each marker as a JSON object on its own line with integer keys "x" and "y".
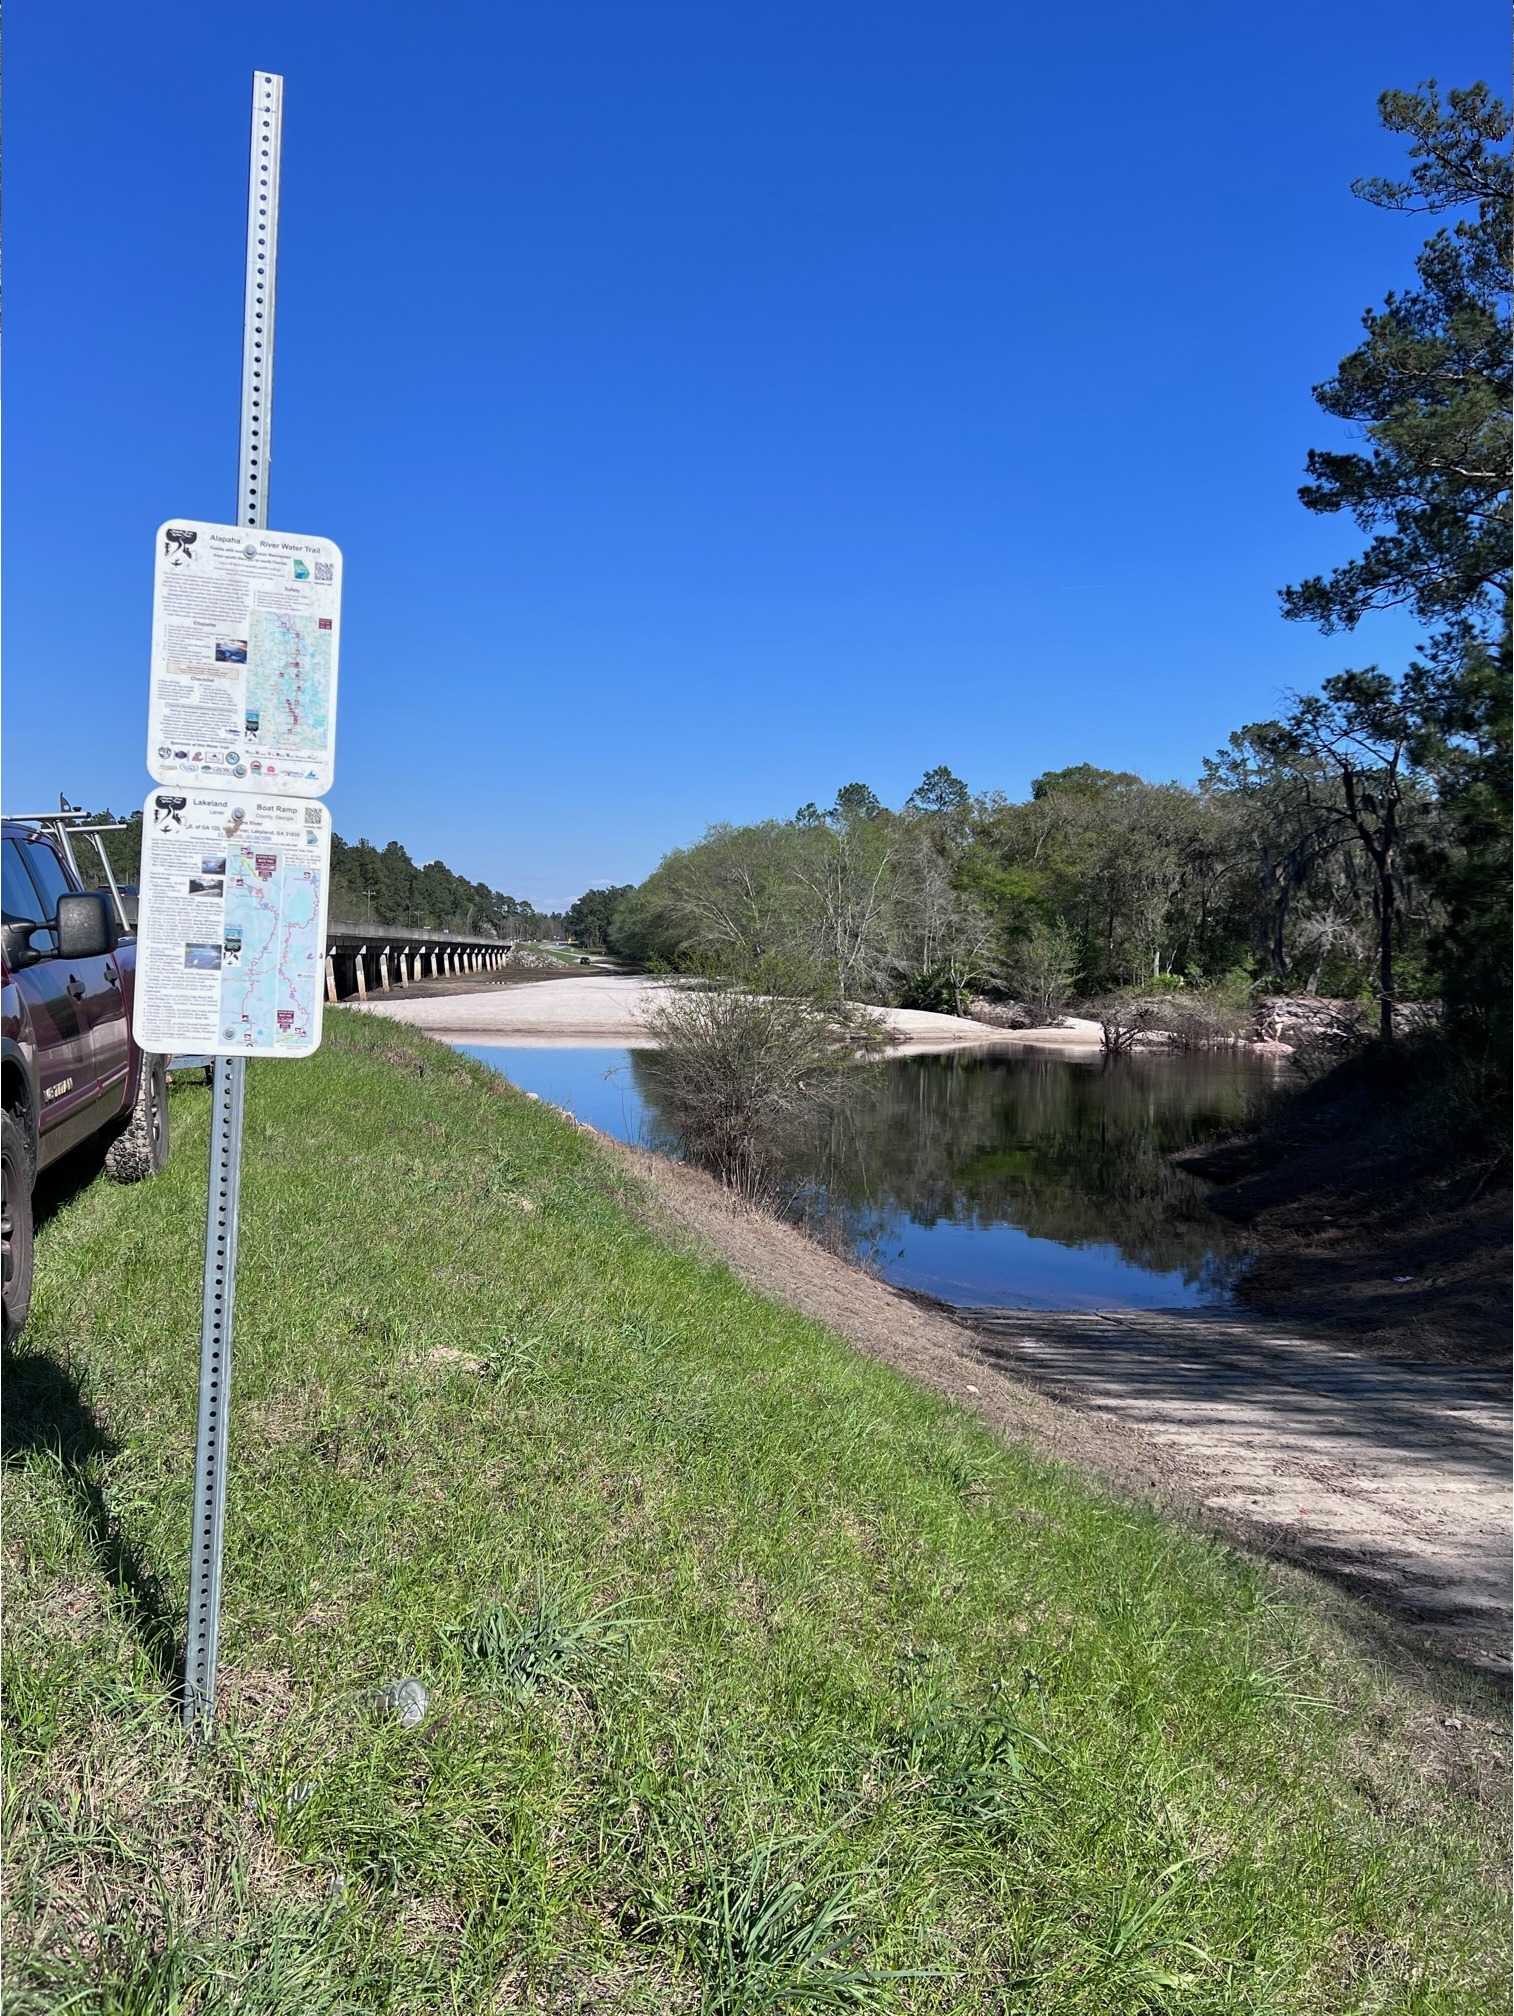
{"x": 714, "y": 402}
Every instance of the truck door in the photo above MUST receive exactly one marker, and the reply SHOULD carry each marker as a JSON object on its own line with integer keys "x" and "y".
{"x": 108, "y": 1033}
{"x": 65, "y": 1078}
{"x": 102, "y": 1006}
{"x": 76, "y": 995}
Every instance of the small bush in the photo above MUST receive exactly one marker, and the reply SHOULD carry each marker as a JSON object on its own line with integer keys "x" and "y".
{"x": 1201, "y": 1017}
{"x": 1184, "y": 1018}
{"x": 1042, "y": 971}
{"x": 736, "y": 1069}
{"x": 932, "y": 991}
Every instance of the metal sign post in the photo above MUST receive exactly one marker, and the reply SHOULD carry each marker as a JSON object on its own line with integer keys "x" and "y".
{"x": 231, "y": 1072}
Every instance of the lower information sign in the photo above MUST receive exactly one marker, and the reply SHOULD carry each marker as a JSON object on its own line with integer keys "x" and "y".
{"x": 232, "y": 924}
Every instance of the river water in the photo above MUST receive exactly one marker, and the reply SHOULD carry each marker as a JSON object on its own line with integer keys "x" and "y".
{"x": 1002, "y": 1178}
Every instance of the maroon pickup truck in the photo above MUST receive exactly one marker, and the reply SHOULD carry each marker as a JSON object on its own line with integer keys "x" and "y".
{"x": 71, "y": 1070}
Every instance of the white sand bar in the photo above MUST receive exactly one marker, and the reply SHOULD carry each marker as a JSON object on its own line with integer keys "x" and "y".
{"x": 590, "y": 1009}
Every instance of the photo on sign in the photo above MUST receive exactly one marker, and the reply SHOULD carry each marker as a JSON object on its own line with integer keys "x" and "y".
{"x": 206, "y": 885}
{"x": 231, "y": 650}
{"x": 212, "y": 864}
{"x": 202, "y": 958}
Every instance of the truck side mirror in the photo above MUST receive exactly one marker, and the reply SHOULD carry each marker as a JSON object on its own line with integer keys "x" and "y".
{"x": 85, "y": 926}
{"x": 16, "y": 942}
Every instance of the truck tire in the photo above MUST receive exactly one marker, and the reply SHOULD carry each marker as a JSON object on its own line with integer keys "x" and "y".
{"x": 141, "y": 1148}
{"x": 17, "y": 1225}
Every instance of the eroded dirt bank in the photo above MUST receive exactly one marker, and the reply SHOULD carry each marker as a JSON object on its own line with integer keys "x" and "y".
{"x": 1390, "y": 1476}
{"x": 1379, "y": 1217}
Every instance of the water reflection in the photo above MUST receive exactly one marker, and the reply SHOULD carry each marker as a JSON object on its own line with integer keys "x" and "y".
{"x": 1022, "y": 1180}
{"x": 1003, "y": 1177}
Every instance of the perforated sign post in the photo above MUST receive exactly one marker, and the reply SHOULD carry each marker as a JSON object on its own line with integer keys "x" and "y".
{"x": 235, "y": 847}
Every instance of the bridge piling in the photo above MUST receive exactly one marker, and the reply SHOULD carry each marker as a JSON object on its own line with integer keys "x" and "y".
{"x": 357, "y": 964}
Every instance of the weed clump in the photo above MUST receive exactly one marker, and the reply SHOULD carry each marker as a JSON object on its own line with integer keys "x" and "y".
{"x": 547, "y": 1640}
{"x": 761, "y": 1937}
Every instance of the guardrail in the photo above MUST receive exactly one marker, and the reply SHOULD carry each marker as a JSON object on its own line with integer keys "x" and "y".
{"x": 364, "y": 959}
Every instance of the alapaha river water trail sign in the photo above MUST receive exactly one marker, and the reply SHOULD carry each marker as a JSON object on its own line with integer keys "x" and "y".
{"x": 246, "y": 629}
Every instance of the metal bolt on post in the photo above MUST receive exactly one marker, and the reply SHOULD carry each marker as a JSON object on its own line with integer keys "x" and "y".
{"x": 231, "y": 1072}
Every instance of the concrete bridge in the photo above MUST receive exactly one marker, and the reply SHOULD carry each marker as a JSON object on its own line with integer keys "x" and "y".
{"x": 378, "y": 958}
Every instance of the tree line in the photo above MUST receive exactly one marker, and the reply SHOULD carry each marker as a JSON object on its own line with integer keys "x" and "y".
{"x": 378, "y": 885}
{"x": 383, "y": 885}
{"x": 589, "y": 920}
{"x": 1357, "y": 845}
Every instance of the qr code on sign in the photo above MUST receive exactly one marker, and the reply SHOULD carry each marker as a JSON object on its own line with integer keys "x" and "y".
{"x": 323, "y": 570}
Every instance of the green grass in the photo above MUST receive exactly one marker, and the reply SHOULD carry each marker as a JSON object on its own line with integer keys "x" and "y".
{"x": 758, "y": 1679}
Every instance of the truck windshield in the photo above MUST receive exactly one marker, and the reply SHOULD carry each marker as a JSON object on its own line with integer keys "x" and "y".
{"x": 21, "y": 903}
{"x": 47, "y": 873}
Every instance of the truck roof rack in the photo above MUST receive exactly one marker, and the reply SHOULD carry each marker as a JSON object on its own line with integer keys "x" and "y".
{"x": 63, "y": 827}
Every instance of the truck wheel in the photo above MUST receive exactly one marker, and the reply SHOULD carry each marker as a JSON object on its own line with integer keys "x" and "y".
{"x": 16, "y": 1226}
{"x": 141, "y": 1148}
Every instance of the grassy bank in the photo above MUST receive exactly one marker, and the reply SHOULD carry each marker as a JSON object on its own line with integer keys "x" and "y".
{"x": 758, "y": 1678}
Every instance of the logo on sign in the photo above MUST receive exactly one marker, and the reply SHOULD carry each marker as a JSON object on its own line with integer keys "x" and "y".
{"x": 177, "y": 542}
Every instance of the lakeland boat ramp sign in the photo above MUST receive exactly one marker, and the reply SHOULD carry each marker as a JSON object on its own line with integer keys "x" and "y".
{"x": 231, "y": 931}
{"x": 245, "y": 630}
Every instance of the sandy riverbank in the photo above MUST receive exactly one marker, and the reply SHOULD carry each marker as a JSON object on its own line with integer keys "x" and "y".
{"x": 607, "y": 1008}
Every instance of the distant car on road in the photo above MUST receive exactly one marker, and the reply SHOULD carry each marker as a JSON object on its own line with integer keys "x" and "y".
{"x": 585, "y": 960}
{"x": 70, "y": 1069}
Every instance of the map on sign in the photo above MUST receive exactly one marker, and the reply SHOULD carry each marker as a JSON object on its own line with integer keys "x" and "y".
{"x": 245, "y": 635}
{"x": 231, "y": 949}
{"x": 272, "y": 964}
{"x": 289, "y": 682}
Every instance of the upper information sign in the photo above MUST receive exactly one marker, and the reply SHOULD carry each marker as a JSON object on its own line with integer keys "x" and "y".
{"x": 245, "y": 630}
